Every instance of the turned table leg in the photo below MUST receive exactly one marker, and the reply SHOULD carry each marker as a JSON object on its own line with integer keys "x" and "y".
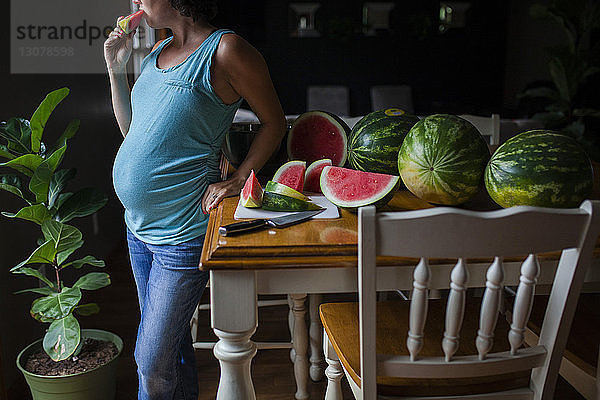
{"x": 316, "y": 338}
{"x": 300, "y": 346}
{"x": 234, "y": 321}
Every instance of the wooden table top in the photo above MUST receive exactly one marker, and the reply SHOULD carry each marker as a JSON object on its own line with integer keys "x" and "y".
{"x": 312, "y": 244}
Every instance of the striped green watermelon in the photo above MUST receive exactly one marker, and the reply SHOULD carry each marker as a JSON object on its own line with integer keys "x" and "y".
{"x": 442, "y": 159}
{"x": 376, "y": 139}
{"x": 539, "y": 168}
{"x": 279, "y": 202}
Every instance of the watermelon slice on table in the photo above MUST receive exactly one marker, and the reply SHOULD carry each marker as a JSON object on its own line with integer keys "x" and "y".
{"x": 279, "y": 202}
{"x": 131, "y": 22}
{"x": 279, "y": 188}
{"x": 291, "y": 174}
{"x": 350, "y": 189}
{"x": 316, "y": 135}
{"x": 252, "y": 193}
{"x": 312, "y": 176}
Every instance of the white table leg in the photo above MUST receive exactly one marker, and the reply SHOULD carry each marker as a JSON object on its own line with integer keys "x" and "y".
{"x": 334, "y": 371}
{"x": 291, "y": 327}
{"x": 234, "y": 321}
{"x": 301, "y": 346}
{"x": 316, "y": 338}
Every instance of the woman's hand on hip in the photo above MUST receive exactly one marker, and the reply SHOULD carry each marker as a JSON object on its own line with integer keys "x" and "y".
{"x": 117, "y": 48}
{"x": 218, "y": 191}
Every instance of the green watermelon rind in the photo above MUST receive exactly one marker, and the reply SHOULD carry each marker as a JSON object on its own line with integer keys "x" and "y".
{"x": 280, "y": 188}
{"x": 343, "y": 128}
{"x": 431, "y": 172}
{"x": 279, "y": 202}
{"x": 381, "y": 199}
{"x": 375, "y": 140}
{"x": 525, "y": 171}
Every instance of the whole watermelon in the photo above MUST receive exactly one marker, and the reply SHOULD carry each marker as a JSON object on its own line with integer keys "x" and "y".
{"x": 376, "y": 139}
{"x": 539, "y": 168}
{"x": 442, "y": 159}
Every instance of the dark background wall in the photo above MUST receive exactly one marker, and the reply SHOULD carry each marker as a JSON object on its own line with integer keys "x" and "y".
{"x": 461, "y": 71}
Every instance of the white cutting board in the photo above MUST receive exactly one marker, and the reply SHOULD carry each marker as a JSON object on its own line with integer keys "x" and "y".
{"x": 331, "y": 210}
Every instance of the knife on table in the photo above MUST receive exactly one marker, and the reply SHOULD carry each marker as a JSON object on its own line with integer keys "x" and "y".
{"x": 278, "y": 222}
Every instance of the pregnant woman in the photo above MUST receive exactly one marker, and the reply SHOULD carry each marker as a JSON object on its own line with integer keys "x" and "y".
{"x": 166, "y": 172}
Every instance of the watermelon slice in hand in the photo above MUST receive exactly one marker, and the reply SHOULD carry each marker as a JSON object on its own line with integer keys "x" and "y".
{"x": 291, "y": 174}
{"x": 252, "y": 193}
{"x": 350, "y": 189}
{"x": 131, "y": 22}
{"x": 312, "y": 177}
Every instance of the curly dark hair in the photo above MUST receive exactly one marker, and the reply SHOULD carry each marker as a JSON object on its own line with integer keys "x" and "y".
{"x": 197, "y": 9}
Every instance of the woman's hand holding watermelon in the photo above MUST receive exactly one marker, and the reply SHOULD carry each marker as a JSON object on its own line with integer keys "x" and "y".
{"x": 218, "y": 191}
{"x": 117, "y": 48}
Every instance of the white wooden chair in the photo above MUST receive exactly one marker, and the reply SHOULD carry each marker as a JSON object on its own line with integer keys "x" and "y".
{"x": 335, "y": 99}
{"x": 411, "y": 359}
{"x": 388, "y": 96}
{"x": 489, "y": 127}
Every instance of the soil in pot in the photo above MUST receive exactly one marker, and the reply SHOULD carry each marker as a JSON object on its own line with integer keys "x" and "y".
{"x": 93, "y": 354}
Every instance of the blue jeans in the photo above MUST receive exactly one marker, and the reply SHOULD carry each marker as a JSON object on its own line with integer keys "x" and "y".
{"x": 169, "y": 286}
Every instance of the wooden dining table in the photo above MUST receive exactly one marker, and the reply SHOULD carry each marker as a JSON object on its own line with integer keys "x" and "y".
{"x": 305, "y": 260}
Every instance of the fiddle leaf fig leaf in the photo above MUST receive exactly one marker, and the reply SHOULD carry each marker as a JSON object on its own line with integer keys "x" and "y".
{"x": 87, "y": 309}
{"x": 38, "y": 290}
{"x": 93, "y": 281}
{"x": 44, "y": 254}
{"x": 40, "y": 181}
{"x": 81, "y": 204}
{"x": 26, "y": 164}
{"x": 63, "y": 255}
{"x": 5, "y": 152}
{"x": 57, "y": 305}
{"x": 12, "y": 183}
{"x": 37, "y": 213}
{"x": 62, "y": 338}
{"x": 57, "y": 184}
{"x": 17, "y": 132}
{"x": 69, "y": 132}
{"x": 87, "y": 260}
{"x": 36, "y": 274}
{"x": 64, "y": 236}
{"x": 41, "y": 115}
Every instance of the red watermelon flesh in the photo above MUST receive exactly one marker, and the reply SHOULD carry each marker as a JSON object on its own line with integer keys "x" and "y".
{"x": 291, "y": 174}
{"x": 312, "y": 177}
{"x": 316, "y": 135}
{"x": 252, "y": 192}
{"x": 131, "y": 22}
{"x": 351, "y": 189}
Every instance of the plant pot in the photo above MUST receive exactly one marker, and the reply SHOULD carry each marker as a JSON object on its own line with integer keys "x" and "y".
{"x": 96, "y": 384}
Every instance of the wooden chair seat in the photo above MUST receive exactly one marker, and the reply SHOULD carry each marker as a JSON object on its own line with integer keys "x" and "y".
{"x": 340, "y": 321}
{"x": 582, "y": 343}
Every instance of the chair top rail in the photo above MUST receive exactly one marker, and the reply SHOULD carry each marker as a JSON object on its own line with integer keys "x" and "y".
{"x": 461, "y": 366}
{"x": 509, "y": 232}
{"x": 514, "y": 394}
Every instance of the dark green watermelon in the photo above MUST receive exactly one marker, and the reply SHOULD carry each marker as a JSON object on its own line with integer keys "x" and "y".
{"x": 376, "y": 139}
{"x": 539, "y": 168}
{"x": 442, "y": 159}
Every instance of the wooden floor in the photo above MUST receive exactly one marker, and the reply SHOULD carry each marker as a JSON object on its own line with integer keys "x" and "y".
{"x": 272, "y": 370}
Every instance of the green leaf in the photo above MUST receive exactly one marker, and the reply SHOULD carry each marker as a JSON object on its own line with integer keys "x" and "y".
{"x": 93, "y": 281}
{"x": 44, "y": 254}
{"x": 57, "y": 305}
{"x": 64, "y": 236}
{"x": 63, "y": 255}
{"x": 37, "y": 213}
{"x": 40, "y": 181}
{"x": 69, "y": 132}
{"x": 26, "y": 164}
{"x": 35, "y": 273}
{"x": 4, "y": 152}
{"x": 62, "y": 338}
{"x": 87, "y": 260}
{"x": 38, "y": 290}
{"x": 82, "y": 203}
{"x": 87, "y": 309}
{"x": 41, "y": 115}
{"x": 12, "y": 183}
{"x": 17, "y": 132}
{"x": 57, "y": 184}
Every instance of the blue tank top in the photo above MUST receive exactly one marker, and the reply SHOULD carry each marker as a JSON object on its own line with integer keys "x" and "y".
{"x": 171, "y": 152}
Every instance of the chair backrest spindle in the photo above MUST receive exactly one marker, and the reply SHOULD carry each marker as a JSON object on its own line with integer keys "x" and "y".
{"x": 455, "y": 308}
{"x": 418, "y": 308}
{"x": 530, "y": 271}
{"x": 490, "y": 304}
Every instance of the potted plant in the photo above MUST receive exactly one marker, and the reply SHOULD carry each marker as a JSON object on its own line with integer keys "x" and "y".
{"x": 73, "y": 374}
